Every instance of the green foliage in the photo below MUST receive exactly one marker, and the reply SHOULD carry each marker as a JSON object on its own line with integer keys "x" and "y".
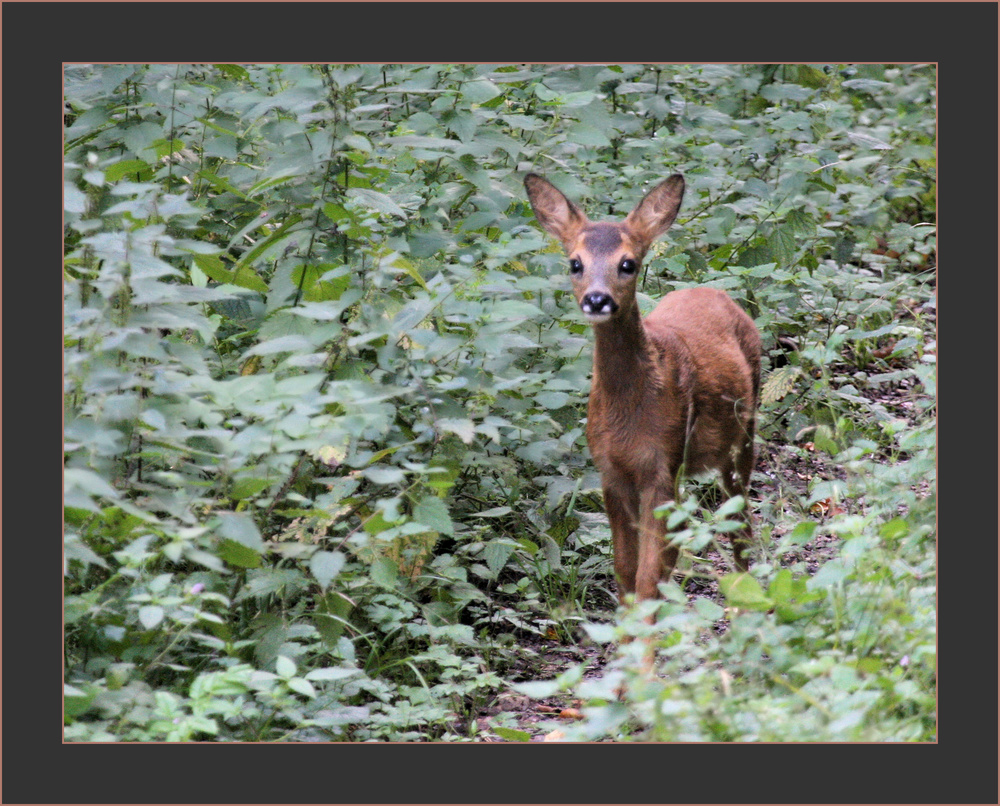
{"x": 324, "y": 381}
{"x": 848, "y": 654}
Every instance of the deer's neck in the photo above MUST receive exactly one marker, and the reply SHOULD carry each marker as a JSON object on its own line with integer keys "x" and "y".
{"x": 623, "y": 366}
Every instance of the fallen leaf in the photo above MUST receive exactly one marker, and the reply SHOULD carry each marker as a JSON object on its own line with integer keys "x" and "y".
{"x": 555, "y": 736}
{"x": 826, "y": 507}
{"x": 821, "y": 507}
{"x": 884, "y": 352}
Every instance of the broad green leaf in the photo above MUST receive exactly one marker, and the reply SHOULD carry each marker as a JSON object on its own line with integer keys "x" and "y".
{"x": 384, "y": 474}
{"x": 248, "y": 487}
{"x": 302, "y": 686}
{"x": 708, "y": 609}
{"x": 602, "y": 633}
{"x": 563, "y": 528}
{"x": 528, "y": 545}
{"x": 511, "y": 734}
{"x": 242, "y": 274}
{"x": 241, "y": 528}
{"x": 233, "y": 71}
{"x": 493, "y": 512}
{"x": 74, "y": 199}
{"x": 731, "y": 506}
{"x": 407, "y": 266}
{"x": 150, "y": 616}
{"x": 281, "y": 344}
{"x": 552, "y": 400}
{"x": 479, "y": 91}
{"x": 894, "y": 529}
{"x": 325, "y": 565}
{"x": 779, "y": 382}
{"x": 247, "y": 278}
{"x": 433, "y": 513}
{"x": 221, "y": 184}
{"x": 550, "y": 550}
{"x": 238, "y": 554}
{"x": 843, "y": 249}
{"x": 164, "y": 148}
{"x": 743, "y": 591}
{"x": 113, "y": 75}
{"x": 756, "y": 188}
{"x": 783, "y": 245}
{"x": 213, "y": 267}
{"x": 133, "y": 169}
{"x": 89, "y": 482}
{"x": 831, "y": 573}
{"x": 307, "y": 278}
{"x": 378, "y": 456}
{"x": 384, "y": 573}
{"x": 76, "y": 701}
{"x": 76, "y": 550}
{"x": 330, "y": 616}
{"x": 515, "y": 309}
{"x": 281, "y": 177}
{"x": 412, "y": 314}
{"x": 358, "y": 142}
{"x": 790, "y": 596}
{"x": 496, "y": 553}
{"x": 377, "y": 201}
{"x": 871, "y": 334}
{"x": 588, "y": 136}
{"x": 463, "y": 429}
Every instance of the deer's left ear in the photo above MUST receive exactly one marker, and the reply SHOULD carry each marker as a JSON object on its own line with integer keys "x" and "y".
{"x": 557, "y": 214}
{"x": 657, "y": 211}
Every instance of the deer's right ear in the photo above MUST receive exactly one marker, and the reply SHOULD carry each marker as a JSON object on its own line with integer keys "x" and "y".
{"x": 657, "y": 211}
{"x": 557, "y": 214}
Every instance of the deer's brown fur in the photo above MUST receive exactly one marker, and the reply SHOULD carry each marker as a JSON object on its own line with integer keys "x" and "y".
{"x": 677, "y": 389}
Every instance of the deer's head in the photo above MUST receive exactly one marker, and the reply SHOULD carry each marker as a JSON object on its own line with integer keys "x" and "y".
{"x": 605, "y": 256}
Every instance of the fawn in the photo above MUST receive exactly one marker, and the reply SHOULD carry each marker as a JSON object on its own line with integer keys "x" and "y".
{"x": 674, "y": 392}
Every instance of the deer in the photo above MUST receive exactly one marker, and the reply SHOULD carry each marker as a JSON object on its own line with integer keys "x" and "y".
{"x": 675, "y": 392}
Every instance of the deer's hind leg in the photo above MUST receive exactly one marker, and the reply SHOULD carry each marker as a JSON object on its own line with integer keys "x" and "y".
{"x": 735, "y": 477}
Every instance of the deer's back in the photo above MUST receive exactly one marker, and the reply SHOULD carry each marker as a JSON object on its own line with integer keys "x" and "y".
{"x": 720, "y": 361}
{"x": 723, "y": 342}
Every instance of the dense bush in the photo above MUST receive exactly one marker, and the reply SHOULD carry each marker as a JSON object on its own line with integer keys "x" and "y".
{"x": 324, "y": 381}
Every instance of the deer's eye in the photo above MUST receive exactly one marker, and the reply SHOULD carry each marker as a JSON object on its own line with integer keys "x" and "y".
{"x": 627, "y": 266}
{"x": 575, "y": 266}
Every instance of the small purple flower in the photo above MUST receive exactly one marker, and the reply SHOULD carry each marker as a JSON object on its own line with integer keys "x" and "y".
{"x": 198, "y": 587}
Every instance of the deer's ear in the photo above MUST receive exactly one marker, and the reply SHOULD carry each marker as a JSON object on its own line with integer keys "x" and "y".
{"x": 657, "y": 211}
{"x": 557, "y": 214}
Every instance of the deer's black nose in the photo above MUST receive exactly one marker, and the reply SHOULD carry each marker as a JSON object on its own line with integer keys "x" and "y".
{"x": 597, "y": 302}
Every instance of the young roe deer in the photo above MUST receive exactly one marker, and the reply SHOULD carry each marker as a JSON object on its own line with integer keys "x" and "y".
{"x": 675, "y": 391}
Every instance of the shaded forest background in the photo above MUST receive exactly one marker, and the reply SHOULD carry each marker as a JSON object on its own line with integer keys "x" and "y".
{"x": 326, "y": 476}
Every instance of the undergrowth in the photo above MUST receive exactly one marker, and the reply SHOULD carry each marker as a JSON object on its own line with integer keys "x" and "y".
{"x": 325, "y": 468}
